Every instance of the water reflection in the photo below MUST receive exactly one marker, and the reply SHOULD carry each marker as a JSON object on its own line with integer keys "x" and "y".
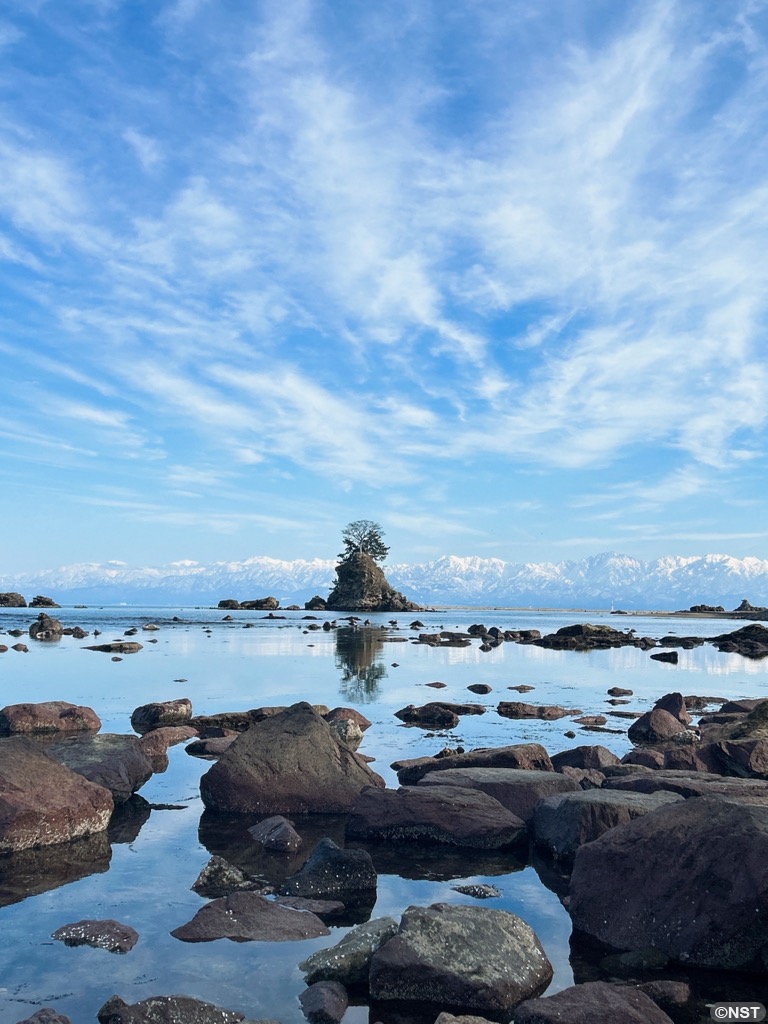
{"x": 359, "y": 655}
{"x": 26, "y": 873}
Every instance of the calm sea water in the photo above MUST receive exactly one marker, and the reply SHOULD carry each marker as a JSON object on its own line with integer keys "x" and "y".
{"x": 145, "y": 879}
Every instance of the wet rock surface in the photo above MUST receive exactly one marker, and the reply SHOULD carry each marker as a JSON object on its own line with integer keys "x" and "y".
{"x": 118, "y": 763}
{"x": 531, "y": 756}
{"x": 682, "y": 880}
{"x": 162, "y": 713}
{"x": 517, "y": 790}
{"x": 105, "y": 934}
{"x": 166, "y": 1010}
{"x": 248, "y": 916}
{"x": 458, "y": 957}
{"x": 592, "y": 1003}
{"x": 44, "y": 803}
{"x": 47, "y": 717}
{"x": 334, "y": 873}
{"x": 438, "y": 813}
{"x": 348, "y": 961}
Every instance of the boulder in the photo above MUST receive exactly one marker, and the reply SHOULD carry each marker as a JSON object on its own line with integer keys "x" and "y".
{"x": 460, "y": 958}
{"x": 43, "y": 602}
{"x": 248, "y": 916}
{"x": 166, "y": 1010}
{"x": 42, "y": 802}
{"x": 744, "y": 758}
{"x": 325, "y": 1002}
{"x": 333, "y": 873}
{"x": 594, "y": 756}
{"x": 45, "y": 628}
{"x": 155, "y": 715}
{"x": 594, "y": 1002}
{"x": 53, "y": 716}
{"x": 276, "y": 833}
{"x": 442, "y": 814}
{"x": 220, "y": 878}
{"x": 116, "y": 647}
{"x": 348, "y": 714}
{"x": 531, "y": 756}
{"x": 10, "y": 599}
{"x": 288, "y": 763}
{"x": 348, "y": 961}
{"x": 269, "y": 604}
{"x": 684, "y": 880}
{"x": 515, "y": 789}
{"x": 107, "y": 934}
{"x": 689, "y": 784}
{"x": 115, "y": 762}
{"x": 156, "y": 742}
{"x": 654, "y": 726}
{"x": 430, "y": 716}
{"x": 565, "y": 822}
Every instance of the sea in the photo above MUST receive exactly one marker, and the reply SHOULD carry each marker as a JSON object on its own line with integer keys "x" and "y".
{"x": 231, "y": 661}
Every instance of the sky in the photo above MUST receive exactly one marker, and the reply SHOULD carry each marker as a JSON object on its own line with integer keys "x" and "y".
{"x": 491, "y": 273}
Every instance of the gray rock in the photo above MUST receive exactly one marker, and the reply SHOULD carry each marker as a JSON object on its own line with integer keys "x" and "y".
{"x": 220, "y": 878}
{"x": 595, "y": 1002}
{"x": 682, "y": 880}
{"x": 107, "y": 934}
{"x": 44, "y": 803}
{"x": 289, "y": 762}
{"x": 348, "y": 961}
{"x": 325, "y": 1002}
{"x": 460, "y": 958}
{"x": 166, "y": 1010}
{"x": 276, "y": 833}
{"x": 689, "y": 784}
{"x": 516, "y": 789}
{"x": 245, "y": 916}
{"x": 118, "y": 763}
{"x": 435, "y": 813}
{"x": 333, "y": 873}
{"x": 565, "y": 822}
{"x": 478, "y": 891}
{"x": 46, "y": 628}
{"x": 594, "y": 756}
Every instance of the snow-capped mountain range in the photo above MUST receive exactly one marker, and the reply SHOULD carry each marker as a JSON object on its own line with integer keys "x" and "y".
{"x": 607, "y": 580}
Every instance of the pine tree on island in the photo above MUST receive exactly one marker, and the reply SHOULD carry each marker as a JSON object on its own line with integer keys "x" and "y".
{"x": 361, "y": 585}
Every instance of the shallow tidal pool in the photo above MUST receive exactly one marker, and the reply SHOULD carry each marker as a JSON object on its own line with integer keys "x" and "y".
{"x": 142, "y": 877}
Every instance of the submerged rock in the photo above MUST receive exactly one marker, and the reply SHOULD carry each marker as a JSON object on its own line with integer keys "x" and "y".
{"x": 166, "y": 1010}
{"x": 107, "y": 934}
{"x": 248, "y": 916}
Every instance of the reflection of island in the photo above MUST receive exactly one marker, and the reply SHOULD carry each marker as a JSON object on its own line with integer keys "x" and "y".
{"x": 358, "y": 655}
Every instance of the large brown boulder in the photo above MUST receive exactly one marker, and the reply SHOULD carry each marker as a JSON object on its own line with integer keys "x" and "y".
{"x": 690, "y": 880}
{"x": 441, "y": 814}
{"x": 287, "y": 763}
{"x": 52, "y": 716}
{"x": 530, "y": 756}
{"x": 460, "y": 958}
{"x": 595, "y": 1002}
{"x": 515, "y": 789}
{"x": 687, "y": 784}
{"x": 654, "y": 727}
{"x": 361, "y": 586}
{"x": 42, "y": 802}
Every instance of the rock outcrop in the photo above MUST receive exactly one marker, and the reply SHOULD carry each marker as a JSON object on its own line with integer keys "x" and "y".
{"x": 361, "y": 586}
{"x": 10, "y": 599}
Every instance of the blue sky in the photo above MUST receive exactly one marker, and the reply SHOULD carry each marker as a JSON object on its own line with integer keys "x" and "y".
{"x": 492, "y": 273}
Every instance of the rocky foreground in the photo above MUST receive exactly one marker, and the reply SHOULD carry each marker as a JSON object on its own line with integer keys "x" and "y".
{"x": 660, "y": 858}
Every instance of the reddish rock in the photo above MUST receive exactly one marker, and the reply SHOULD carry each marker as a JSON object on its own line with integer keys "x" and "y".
{"x": 51, "y": 716}
{"x": 594, "y": 1002}
{"x": 276, "y": 833}
{"x": 118, "y": 763}
{"x": 325, "y": 1002}
{"x": 430, "y": 716}
{"x": 169, "y": 712}
{"x": 442, "y": 814}
{"x": 529, "y": 756}
{"x": 683, "y": 880}
{"x": 588, "y": 756}
{"x": 674, "y": 704}
{"x": 655, "y": 726}
{"x": 349, "y": 714}
{"x": 515, "y": 789}
{"x": 548, "y": 712}
{"x": 42, "y": 802}
{"x": 157, "y": 741}
{"x": 248, "y": 916}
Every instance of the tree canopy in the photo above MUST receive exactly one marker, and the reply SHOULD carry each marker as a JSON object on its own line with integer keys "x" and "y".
{"x": 363, "y": 535}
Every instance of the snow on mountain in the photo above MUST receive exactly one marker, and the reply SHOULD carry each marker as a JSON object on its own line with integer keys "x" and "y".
{"x": 605, "y": 580}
